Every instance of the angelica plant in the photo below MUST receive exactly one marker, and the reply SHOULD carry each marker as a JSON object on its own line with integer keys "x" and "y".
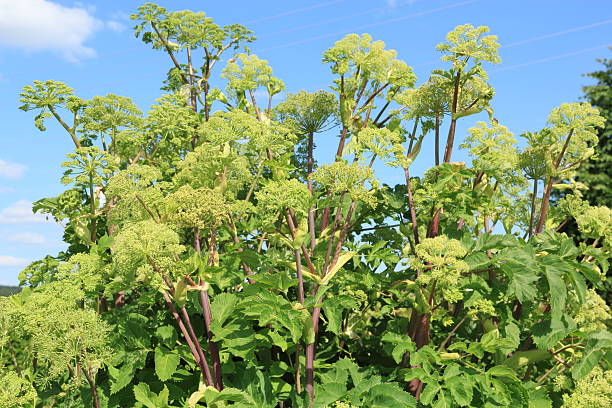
{"x": 213, "y": 262}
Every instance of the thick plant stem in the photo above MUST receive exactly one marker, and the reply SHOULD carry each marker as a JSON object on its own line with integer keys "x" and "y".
{"x": 170, "y": 53}
{"x": 413, "y": 217}
{"x": 92, "y": 385}
{"x": 257, "y": 112}
{"x": 421, "y": 334}
{"x": 289, "y": 217}
{"x": 330, "y": 244}
{"x": 119, "y": 300}
{"x": 68, "y": 129}
{"x": 194, "y": 100}
{"x": 194, "y": 337}
{"x": 533, "y": 207}
{"x": 437, "y": 141}
{"x": 434, "y": 227}
{"x": 298, "y": 374}
{"x": 298, "y": 267}
{"x": 202, "y": 363}
{"x": 544, "y": 208}
{"x": 547, "y": 192}
{"x": 298, "y": 349}
{"x": 421, "y": 338}
{"x": 311, "y": 211}
{"x": 316, "y": 313}
{"x": 451, "y": 130}
{"x": 92, "y": 208}
{"x": 310, "y": 356}
{"x": 327, "y": 211}
{"x": 343, "y": 233}
{"x": 212, "y": 345}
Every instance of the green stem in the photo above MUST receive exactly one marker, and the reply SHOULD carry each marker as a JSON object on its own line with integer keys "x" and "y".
{"x": 451, "y": 130}
{"x": 70, "y": 130}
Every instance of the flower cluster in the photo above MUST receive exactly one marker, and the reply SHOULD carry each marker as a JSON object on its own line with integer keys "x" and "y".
{"x": 340, "y": 177}
{"x": 439, "y": 261}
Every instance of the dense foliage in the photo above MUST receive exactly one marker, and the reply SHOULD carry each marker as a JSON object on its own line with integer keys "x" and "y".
{"x": 212, "y": 262}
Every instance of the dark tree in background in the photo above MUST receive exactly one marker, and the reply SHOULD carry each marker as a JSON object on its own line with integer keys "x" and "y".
{"x": 597, "y": 173}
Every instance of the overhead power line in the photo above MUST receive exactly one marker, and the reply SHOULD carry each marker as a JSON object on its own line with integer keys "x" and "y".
{"x": 379, "y": 23}
{"x": 335, "y": 20}
{"x": 547, "y": 59}
{"x": 296, "y": 11}
{"x": 130, "y": 49}
{"x": 535, "y": 39}
{"x": 558, "y": 33}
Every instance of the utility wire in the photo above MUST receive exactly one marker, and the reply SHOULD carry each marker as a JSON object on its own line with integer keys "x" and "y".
{"x": 296, "y": 11}
{"x": 335, "y": 20}
{"x": 379, "y": 23}
{"x": 535, "y": 39}
{"x": 426, "y": 12}
{"x": 547, "y": 59}
{"x": 558, "y": 33}
{"x": 414, "y": 15}
{"x": 139, "y": 46}
{"x": 501, "y": 69}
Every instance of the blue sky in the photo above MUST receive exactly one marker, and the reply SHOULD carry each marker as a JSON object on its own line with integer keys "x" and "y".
{"x": 546, "y": 47}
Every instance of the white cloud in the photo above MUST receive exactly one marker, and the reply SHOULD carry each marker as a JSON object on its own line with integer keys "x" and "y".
{"x": 11, "y": 170}
{"x": 115, "y": 26}
{"x": 42, "y": 25}
{"x": 27, "y": 238}
{"x": 8, "y": 261}
{"x": 20, "y": 212}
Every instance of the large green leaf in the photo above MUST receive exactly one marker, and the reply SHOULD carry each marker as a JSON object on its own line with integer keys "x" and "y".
{"x": 148, "y": 398}
{"x": 342, "y": 259}
{"x": 548, "y": 332}
{"x": 461, "y": 389}
{"x": 598, "y": 344}
{"x": 444, "y": 400}
{"x": 353, "y": 369}
{"x": 166, "y": 362}
{"x": 554, "y": 269}
{"x": 429, "y": 393}
{"x": 579, "y": 285}
{"x": 389, "y": 395}
{"x": 167, "y": 334}
{"x": 519, "y": 265}
{"x": 538, "y": 398}
{"x": 238, "y": 338}
{"x": 502, "y": 371}
{"x": 212, "y": 396}
{"x": 333, "y": 308}
{"x": 401, "y": 345}
{"x": 136, "y": 330}
{"x": 223, "y": 306}
{"x": 122, "y": 375}
{"x": 521, "y": 282}
{"x": 328, "y": 393}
